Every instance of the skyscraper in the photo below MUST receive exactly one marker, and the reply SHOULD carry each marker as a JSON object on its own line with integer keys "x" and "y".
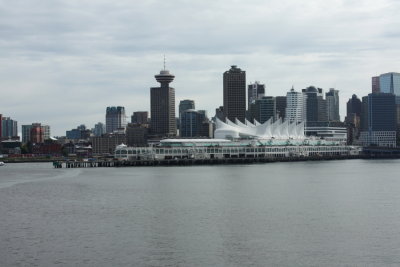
{"x": 354, "y": 106}
{"x": 185, "y": 105}
{"x": 296, "y": 108}
{"x": 378, "y": 120}
{"x": 390, "y": 83}
{"x": 254, "y": 91}
{"x": 264, "y": 109}
{"x": 280, "y": 107}
{"x": 332, "y": 105}
{"x": 8, "y": 127}
{"x": 1, "y": 129}
{"x": 162, "y": 101}
{"x": 316, "y": 105}
{"x": 115, "y": 118}
{"x": 191, "y": 123}
{"x": 375, "y": 84}
{"x": 235, "y": 94}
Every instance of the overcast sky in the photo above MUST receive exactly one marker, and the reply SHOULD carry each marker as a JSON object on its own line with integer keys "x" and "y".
{"x": 62, "y": 62}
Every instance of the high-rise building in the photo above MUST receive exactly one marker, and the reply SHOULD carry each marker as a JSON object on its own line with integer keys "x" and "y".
{"x": 281, "y": 107}
{"x": 1, "y": 128}
{"x": 316, "y": 105}
{"x": 27, "y": 134}
{"x": 375, "y": 84}
{"x": 263, "y": 109}
{"x": 185, "y": 105}
{"x": 235, "y": 94}
{"x": 378, "y": 120}
{"x": 353, "y": 119}
{"x": 37, "y": 134}
{"x": 140, "y": 117}
{"x": 332, "y": 105}
{"x": 162, "y": 101}
{"x": 115, "y": 118}
{"x": 296, "y": 108}
{"x": 219, "y": 113}
{"x": 8, "y": 127}
{"x": 354, "y": 106}
{"x": 255, "y": 91}
{"x": 99, "y": 129}
{"x": 390, "y": 83}
{"x": 191, "y": 123}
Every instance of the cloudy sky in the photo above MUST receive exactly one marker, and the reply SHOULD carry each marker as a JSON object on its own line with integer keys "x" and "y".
{"x": 62, "y": 62}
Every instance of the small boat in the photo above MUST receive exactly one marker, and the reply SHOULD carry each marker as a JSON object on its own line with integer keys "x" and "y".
{"x": 2, "y": 163}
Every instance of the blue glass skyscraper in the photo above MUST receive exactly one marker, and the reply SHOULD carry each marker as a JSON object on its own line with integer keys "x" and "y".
{"x": 390, "y": 83}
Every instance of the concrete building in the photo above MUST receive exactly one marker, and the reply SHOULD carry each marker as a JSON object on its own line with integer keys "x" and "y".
{"x": 79, "y": 133}
{"x": 235, "y": 94}
{"x": 162, "y": 101}
{"x": 140, "y": 117}
{"x": 334, "y": 131}
{"x": 296, "y": 108}
{"x": 115, "y": 118}
{"x": 255, "y": 91}
{"x": 332, "y": 104}
{"x": 37, "y": 134}
{"x": 375, "y": 84}
{"x": 378, "y": 120}
{"x": 106, "y": 144}
{"x": 27, "y": 133}
{"x": 137, "y": 134}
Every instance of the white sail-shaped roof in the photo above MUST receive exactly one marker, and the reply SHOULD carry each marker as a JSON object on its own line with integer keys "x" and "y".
{"x": 284, "y": 130}
{"x": 250, "y": 124}
{"x": 292, "y": 130}
{"x": 300, "y": 130}
{"x": 267, "y": 130}
{"x": 239, "y": 123}
{"x": 256, "y": 123}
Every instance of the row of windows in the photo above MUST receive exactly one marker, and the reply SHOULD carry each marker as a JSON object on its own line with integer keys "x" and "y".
{"x": 231, "y": 150}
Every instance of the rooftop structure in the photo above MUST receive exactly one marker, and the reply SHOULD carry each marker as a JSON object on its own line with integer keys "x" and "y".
{"x": 268, "y": 130}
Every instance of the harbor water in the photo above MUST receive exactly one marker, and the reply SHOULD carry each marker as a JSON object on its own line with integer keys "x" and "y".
{"x": 323, "y": 213}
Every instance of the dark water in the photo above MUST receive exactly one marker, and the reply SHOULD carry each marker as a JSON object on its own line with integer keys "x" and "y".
{"x": 334, "y": 213}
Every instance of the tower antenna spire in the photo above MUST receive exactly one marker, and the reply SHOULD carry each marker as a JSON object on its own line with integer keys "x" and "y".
{"x": 164, "y": 61}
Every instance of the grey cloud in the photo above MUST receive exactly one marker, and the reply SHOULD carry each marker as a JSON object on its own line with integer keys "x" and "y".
{"x": 81, "y": 56}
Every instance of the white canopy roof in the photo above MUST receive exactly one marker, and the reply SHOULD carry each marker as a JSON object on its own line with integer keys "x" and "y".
{"x": 267, "y": 130}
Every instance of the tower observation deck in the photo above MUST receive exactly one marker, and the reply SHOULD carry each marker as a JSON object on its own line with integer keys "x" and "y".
{"x": 164, "y": 78}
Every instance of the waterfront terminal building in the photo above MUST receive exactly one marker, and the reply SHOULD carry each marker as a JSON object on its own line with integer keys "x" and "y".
{"x": 242, "y": 140}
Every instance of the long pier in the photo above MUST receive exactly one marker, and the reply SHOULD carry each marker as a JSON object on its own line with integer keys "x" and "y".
{"x": 215, "y": 161}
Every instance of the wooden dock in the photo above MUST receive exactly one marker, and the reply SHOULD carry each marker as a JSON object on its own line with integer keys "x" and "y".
{"x": 188, "y": 162}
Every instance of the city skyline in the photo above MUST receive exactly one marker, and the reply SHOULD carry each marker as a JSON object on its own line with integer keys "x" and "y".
{"x": 89, "y": 56}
